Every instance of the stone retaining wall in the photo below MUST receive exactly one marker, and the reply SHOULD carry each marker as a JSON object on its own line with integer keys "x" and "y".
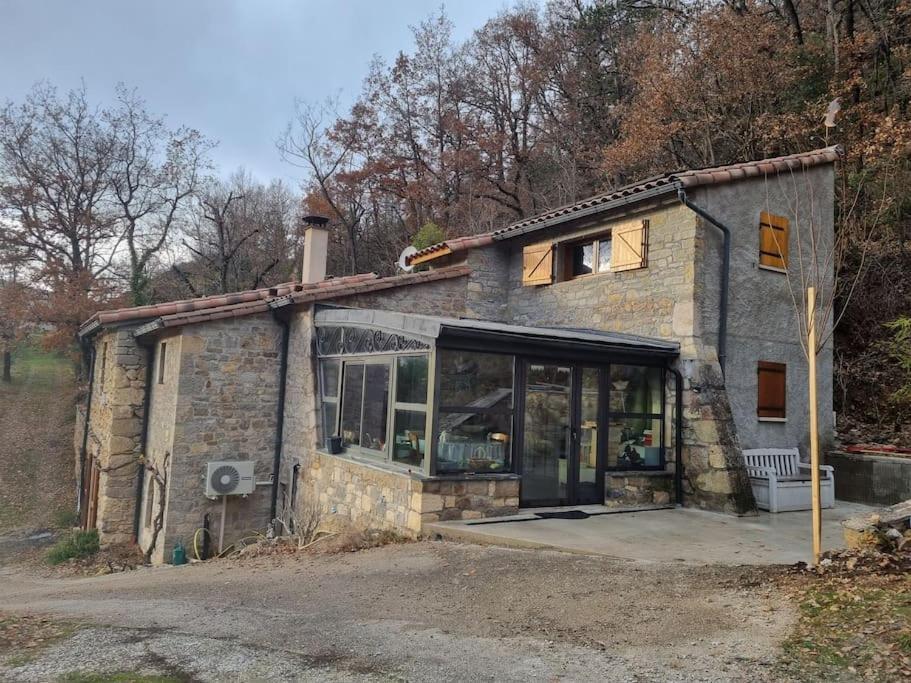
{"x": 346, "y": 492}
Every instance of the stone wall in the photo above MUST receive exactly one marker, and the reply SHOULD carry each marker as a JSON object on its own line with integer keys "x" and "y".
{"x": 638, "y": 489}
{"x": 160, "y": 442}
{"x": 347, "y": 492}
{"x": 445, "y": 298}
{"x": 226, "y": 409}
{"x": 115, "y": 427}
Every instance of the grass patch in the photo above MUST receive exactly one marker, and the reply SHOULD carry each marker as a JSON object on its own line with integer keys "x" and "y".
{"x": 78, "y": 545}
{"x": 65, "y": 518}
{"x": 36, "y": 368}
{"x": 856, "y": 627}
{"x": 119, "y": 677}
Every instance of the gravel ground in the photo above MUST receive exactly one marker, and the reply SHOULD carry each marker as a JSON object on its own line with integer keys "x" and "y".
{"x": 422, "y": 611}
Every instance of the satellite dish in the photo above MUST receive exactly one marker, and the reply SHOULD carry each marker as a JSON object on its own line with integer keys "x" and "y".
{"x": 406, "y": 253}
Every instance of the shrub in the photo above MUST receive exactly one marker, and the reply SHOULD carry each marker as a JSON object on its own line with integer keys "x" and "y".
{"x": 78, "y": 545}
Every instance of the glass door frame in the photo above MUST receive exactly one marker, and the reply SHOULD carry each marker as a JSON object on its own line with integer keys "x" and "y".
{"x": 575, "y": 420}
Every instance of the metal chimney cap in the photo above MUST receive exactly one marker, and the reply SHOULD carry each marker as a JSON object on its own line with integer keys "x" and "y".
{"x": 315, "y": 220}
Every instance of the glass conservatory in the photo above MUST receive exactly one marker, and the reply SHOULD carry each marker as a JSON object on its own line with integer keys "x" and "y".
{"x": 442, "y": 397}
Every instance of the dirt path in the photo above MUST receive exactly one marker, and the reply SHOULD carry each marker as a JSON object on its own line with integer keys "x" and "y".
{"x": 424, "y": 611}
{"x": 36, "y": 452}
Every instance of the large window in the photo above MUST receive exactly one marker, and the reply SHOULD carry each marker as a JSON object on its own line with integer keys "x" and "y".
{"x": 476, "y": 410}
{"x": 377, "y": 405}
{"x": 635, "y": 418}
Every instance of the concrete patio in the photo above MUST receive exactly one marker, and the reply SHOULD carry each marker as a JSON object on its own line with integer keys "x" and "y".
{"x": 663, "y": 535}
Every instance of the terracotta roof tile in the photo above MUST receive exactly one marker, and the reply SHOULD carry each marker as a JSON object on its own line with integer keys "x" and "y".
{"x": 686, "y": 179}
{"x": 327, "y": 289}
{"x": 217, "y": 301}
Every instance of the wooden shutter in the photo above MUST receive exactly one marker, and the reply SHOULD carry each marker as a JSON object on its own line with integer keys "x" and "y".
{"x": 772, "y": 394}
{"x": 773, "y": 240}
{"x": 629, "y": 248}
{"x": 538, "y": 264}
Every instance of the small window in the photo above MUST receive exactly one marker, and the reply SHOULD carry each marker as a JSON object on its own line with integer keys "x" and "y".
{"x": 162, "y": 357}
{"x": 586, "y": 258}
{"x": 772, "y": 390}
{"x": 773, "y": 241}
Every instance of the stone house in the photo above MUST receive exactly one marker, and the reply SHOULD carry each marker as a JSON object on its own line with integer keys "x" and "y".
{"x": 621, "y": 350}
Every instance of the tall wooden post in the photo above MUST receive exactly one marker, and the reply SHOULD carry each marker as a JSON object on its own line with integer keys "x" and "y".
{"x": 814, "y": 424}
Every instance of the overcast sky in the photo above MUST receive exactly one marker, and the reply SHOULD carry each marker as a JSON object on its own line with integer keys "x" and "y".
{"x": 230, "y": 68}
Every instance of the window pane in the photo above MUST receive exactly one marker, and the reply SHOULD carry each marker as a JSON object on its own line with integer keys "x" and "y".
{"x": 411, "y": 379}
{"x": 330, "y": 370}
{"x": 604, "y": 251}
{"x": 329, "y": 413}
{"x": 634, "y": 443}
{"x": 476, "y": 380}
{"x": 583, "y": 258}
{"x": 635, "y": 389}
{"x": 352, "y": 397}
{"x": 376, "y": 405}
{"x": 408, "y": 444}
{"x": 470, "y": 442}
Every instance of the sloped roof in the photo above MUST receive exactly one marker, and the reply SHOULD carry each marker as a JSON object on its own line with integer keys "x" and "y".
{"x": 656, "y": 185}
{"x": 137, "y": 313}
{"x": 290, "y": 294}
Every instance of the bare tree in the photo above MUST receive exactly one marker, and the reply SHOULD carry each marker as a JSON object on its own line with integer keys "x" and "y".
{"x": 244, "y": 236}
{"x": 155, "y": 173}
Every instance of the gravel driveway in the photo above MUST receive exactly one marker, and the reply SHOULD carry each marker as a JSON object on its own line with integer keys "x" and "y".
{"x": 421, "y": 611}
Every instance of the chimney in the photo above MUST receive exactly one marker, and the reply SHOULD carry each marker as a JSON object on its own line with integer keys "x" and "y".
{"x": 316, "y": 246}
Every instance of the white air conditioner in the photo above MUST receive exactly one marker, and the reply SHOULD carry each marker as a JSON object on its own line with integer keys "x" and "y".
{"x": 229, "y": 478}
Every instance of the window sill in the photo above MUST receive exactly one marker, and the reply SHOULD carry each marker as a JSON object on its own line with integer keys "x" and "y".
{"x": 773, "y": 419}
{"x": 377, "y": 462}
{"x": 773, "y": 269}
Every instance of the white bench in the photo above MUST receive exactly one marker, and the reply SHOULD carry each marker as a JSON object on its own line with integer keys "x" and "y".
{"x": 781, "y": 482}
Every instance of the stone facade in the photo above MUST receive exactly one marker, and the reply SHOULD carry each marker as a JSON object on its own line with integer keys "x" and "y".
{"x": 660, "y": 301}
{"x": 218, "y": 401}
{"x": 354, "y": 493}
{"x": 218, "y": 398}
{"x": 115, "y": 428}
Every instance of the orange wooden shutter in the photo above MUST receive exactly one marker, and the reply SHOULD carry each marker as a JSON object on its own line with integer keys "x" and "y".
{"x": 538, "y": 264}
{"x": 774, "y": 232}
{"x": 629, "y": 246}
{"x": 772, "y": 394}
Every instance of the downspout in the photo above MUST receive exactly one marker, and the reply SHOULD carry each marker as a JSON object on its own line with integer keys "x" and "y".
{"x": 678, "y": 440}
{"x": 280, "y": 418}
{"x": 85, "y": 430}
{"x": 725, "y": 274}
{"x": 144, "y": 439}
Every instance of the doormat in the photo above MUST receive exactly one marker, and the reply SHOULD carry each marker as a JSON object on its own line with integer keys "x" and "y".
{"x": 567, "y": 514}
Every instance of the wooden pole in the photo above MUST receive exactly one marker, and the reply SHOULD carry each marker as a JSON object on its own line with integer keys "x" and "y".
{"x": 814, "y": 426}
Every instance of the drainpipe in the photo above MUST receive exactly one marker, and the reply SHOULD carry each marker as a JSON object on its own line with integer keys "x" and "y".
{"x": 280, "y": 418}
{"x": 725, "y": 274}
{"x": 678, "y": 441}
{"x": 85, "y": 430}
{"x": 144, "y": 439}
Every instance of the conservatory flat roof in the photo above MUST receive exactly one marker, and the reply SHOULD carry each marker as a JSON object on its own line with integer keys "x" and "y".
{"x": 430, "y": 328}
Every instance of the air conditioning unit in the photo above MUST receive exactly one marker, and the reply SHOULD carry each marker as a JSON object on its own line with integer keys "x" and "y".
{"x": 229, "y": 478}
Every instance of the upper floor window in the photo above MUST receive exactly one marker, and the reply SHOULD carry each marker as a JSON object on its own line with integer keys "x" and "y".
{"x": 774, "y": 232}
{"x": 586, "y": 258}
{"x": 624, "y": 247}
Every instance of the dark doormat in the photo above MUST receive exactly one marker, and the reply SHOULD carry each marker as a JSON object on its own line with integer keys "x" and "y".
{"x": 565, "y": 514}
